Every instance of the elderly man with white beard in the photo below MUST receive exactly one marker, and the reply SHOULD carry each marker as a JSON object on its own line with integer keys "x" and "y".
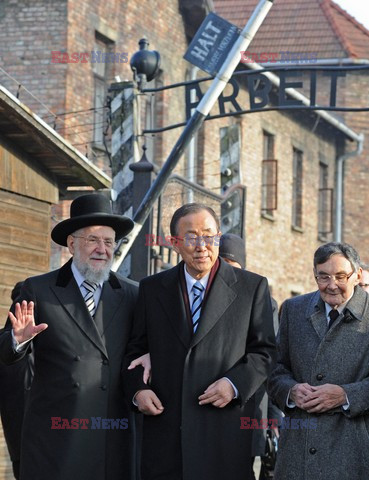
{"x": 77, "y": 321}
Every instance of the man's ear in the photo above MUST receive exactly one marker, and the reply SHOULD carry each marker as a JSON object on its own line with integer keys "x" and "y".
{"x": 70, "y": 243}
{"x": 359, "y": 274}
{"x": 174, "y": 239}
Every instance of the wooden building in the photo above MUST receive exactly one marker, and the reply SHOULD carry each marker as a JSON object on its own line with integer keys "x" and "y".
{"x": 36, "y": 168}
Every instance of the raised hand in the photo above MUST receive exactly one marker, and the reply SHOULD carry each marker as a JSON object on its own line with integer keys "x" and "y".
{"x": 23, "y": 322}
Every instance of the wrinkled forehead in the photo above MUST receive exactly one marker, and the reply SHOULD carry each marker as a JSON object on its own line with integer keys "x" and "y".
{"x": 98, "y": 230}
{"x": 199, "y": 222}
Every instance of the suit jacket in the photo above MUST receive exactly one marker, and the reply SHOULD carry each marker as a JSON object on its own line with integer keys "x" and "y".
{"x": 235, "y": 339}
{"x": 334, "y": 444}
{"x": 77, "y": 376}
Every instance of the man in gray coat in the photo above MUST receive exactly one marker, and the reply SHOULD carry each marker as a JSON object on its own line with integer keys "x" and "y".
{"x": 321, "y": 379}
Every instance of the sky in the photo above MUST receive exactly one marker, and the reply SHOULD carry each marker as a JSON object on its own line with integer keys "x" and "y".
{"x": 359, "y": 9}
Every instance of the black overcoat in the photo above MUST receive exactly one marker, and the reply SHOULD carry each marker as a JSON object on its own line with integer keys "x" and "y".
{"x": 77, "y": 376}
{"x": 235, "y": 339}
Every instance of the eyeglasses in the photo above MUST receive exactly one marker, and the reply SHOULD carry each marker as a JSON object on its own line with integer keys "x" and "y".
{"x": 200, "y": 240}
{"x": 363, "y": 285}
{"x": 339, "y": 278}
{"x": 92, "y": 241}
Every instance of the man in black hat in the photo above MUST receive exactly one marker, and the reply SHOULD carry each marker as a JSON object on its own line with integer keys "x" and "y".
{"x": 76, "y": 320}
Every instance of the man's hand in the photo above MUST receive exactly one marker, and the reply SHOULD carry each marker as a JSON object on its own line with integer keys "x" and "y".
{"x": 324, "y": 398}
{"x": 145, "y": 362}
{"x": 219, "y": 394}
{"x": 148, "y": 403}
{"x": 300, "y": 393}
{"x": 23, "y": 322}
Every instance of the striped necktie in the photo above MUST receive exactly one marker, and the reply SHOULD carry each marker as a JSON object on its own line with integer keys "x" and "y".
{"x": 89, "y": 297}
{"x": 197, "y": 290}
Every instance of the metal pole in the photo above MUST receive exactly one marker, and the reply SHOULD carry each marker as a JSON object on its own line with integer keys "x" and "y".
{"x": 194, "y": 123}
{"x": 339, "y": 187}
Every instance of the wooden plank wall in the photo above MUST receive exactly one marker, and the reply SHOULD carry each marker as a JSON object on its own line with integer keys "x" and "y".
{"x": 24, "y": 242}
{"x": 24, "y": 251}
{"x": 6, "y": 471}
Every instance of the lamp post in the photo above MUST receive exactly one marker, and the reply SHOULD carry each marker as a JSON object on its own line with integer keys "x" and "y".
{"x": 203, "y": 108}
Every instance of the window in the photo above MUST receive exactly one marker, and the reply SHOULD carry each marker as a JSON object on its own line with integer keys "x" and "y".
{"x": 325, "y": 199}
{"x": 230, "y": 174}
{"x": 297, "y": 189}
{"x": 102, "y": 68}
{"x": 269, "y": 174}
{"x": 230, "y": 153}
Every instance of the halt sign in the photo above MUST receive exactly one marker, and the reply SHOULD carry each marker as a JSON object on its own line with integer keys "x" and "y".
{"x": 211, "y": 44}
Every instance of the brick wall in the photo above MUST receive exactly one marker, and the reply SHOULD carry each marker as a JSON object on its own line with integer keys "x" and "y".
{"x": 72, "y": 27}
{"x": 273, "y": 247}
{"x": 29, "y": 31}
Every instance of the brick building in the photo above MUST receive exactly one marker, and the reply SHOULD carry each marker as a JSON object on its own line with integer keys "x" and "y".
{"x": 285, "y": 160}
{"x": 331, "y": 36}
{"x": 36, "y": 166}
{"x": 54, "y": 49}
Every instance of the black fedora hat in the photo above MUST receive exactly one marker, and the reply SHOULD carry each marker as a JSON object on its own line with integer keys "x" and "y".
{"x": 87, "y": 210}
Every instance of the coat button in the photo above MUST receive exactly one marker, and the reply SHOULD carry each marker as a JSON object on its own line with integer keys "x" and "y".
{"x": 319, "y": 376}
{"x": 105, "y": 362}
{"x": 77, "y": 358}
{"x": 104, "y": 387}
{"x": 76, "y": 385}
{"x": 312, "y": 450}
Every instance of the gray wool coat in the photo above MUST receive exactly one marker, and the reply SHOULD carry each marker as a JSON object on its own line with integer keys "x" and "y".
{"x": 333, "y": 445}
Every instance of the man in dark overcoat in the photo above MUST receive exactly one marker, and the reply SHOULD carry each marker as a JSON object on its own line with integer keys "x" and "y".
{"x": 209, "y": 330}
{"x": 76, "y": 421}
{"x": 321, "y": 379}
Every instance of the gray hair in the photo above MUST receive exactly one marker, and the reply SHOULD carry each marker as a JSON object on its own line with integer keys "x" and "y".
{"x": 326, "y": 251}
{"x": 364, "y": 266}
{"x": 187, "y": 209}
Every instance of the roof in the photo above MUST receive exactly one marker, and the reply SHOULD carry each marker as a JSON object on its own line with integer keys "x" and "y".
{"x": 65, "y": 164}
{"x": 317, "y": 26}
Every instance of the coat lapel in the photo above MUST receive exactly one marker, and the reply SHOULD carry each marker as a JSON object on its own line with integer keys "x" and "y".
{"x": 216, "y": 304}
{"x": 358, "y": 305}
{"x": 70, "y": 298}
{"x": 174, "y": 306}
{"x": 110, "y": 300}
{"x": 315, "y": 312}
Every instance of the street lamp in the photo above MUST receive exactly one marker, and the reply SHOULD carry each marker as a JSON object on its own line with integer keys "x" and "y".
{"x": 145, "y": 63}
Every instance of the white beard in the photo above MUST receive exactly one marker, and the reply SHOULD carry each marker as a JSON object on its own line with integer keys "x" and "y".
{"x": 90, "y": 273}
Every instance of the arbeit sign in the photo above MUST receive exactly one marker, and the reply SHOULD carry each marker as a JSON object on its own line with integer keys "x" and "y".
{"x": 260, "y": 89}
{"x": 209, "y": 48}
